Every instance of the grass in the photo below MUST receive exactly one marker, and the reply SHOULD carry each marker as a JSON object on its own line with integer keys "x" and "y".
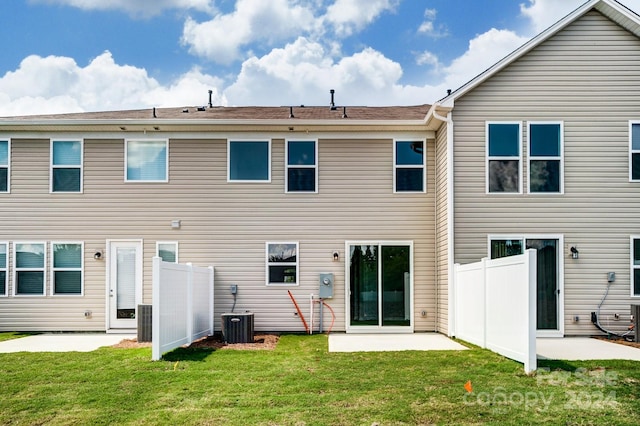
{"x": 301, "y": 383}
{"x": 14, "y": 335}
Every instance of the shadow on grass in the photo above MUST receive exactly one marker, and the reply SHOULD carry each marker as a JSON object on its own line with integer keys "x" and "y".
{"x": 188, "y": 354}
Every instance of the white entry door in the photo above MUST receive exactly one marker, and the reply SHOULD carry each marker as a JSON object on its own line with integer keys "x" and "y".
{"x": 125, "y": 283}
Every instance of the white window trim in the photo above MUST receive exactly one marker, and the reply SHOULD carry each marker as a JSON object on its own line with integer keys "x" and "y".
{"x": 8, "y": 166}
{"x": 555, "y": 158}
{"x": 166, "y": 161}
{"x": 54, "y": 270}
{"x": 16, "y": 269}
{"x": 631, "y": 150}
{"x": 66, "y": 166}
{"x": 422, "y": 166}
{"x": 5, "y": 269}
{"x": 175, "y": 243}
{"x": 632, "y": 266}
{"x": 267, "y": 264}
{"x": 287, "y": 166}
{"x": 229, "y": 180}
{"x": 489, "y": 158}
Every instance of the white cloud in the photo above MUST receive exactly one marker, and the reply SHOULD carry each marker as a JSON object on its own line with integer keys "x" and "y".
{"x": 428, "y": 26}
{"x": 350, "y": 16}
{"x": 544, "y": 13}
{"x": 267, "y": 22}
{"x": 140, "y": 8}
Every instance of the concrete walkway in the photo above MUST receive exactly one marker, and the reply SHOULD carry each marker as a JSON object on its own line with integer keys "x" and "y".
{"x": 583, "y": 348}
{"x": 62, "y": 342}
{"x": 391, "y": 342}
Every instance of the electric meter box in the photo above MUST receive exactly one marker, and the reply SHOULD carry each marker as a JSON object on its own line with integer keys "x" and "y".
{"x": 326, "y": 286}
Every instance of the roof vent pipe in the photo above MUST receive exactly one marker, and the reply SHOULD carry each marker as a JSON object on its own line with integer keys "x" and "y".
{"x": 154, "y": 113}
{"x": 210, "y": 102}
{"x": 333, "y": 104}
{"x": 344, "y": 112}
{"x": 448, "y": 92}
{"x": 291, "y": 112}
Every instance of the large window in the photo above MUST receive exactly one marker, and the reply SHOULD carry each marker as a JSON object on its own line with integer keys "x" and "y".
{"x": 167, "y": 251}
{"x": 147, "y": 161}
{"x": 301, "y": 166}
{"x": 545, "y": 157}
{"x": 409, "y": 166}
{"x": 66, "y": 166}
{"x": 504, "y": 157}
{"x": 634, "y": 151}
{"x": 249, "y": 161}
{"x": 282, "y": 263}
{"x": 67, "y": 268}
{"x": 3, "y": 269}
{"x": 635, "y": 266}
{"x": 5, "y": 154}
{"x": 29, "y": 268}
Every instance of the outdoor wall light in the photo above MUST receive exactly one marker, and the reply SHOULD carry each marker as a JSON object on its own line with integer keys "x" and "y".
{"x": 336, "y": 256}
{"x": 97, "y": 255}
{"x": 574, "y": 252}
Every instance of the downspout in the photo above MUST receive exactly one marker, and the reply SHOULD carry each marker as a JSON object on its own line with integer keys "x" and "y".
{"x": 450, "y": 223}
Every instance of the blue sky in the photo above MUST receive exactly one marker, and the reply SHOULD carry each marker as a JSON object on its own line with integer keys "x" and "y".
{"x": 91, "y": 55}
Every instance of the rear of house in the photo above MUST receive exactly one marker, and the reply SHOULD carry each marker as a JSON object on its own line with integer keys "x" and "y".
{"x": 271, "y": 201}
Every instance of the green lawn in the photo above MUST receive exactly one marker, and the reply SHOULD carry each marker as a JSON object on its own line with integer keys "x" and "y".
{"x": 300, "y": 383}
{"x": 14, "y": 335}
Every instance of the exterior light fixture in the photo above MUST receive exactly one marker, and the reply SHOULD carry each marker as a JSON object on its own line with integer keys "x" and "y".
{"x": 97, "y": 255}
{"x": 574, "y": 252}
{"x": 336, "y": 256}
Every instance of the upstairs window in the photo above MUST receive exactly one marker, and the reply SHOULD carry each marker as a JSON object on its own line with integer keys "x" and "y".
{"x": 504, "y": 157}
{"x": 29, "y": 264}
{"x": 3, "y": 269}
{"x": 635, "y": 266}
{"x": 282, "y": 263}
{"x": 68, "y": 262}
{"x": 409, "y": 166}
{"x": 66, "y": 166}
{"x": 249, "y": 161}
{"x": 4, "y": 165}
{"x": 301, "y": 166}
{"x": 167, "y": 251}
{"x": 634, "y": 152}
{"x": 147, "y": 161}
{"x": 545, "y": 158}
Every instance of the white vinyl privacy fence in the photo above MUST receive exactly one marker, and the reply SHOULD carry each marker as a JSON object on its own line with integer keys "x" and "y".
{"x": 182, "y": 305}
{"x": 495, "y": 306}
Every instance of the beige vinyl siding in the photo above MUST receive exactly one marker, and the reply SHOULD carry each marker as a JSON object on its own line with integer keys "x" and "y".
{"x": 586, "y": 76}
{"x": 222, "y": 224}
{"x": 442, "y": 236}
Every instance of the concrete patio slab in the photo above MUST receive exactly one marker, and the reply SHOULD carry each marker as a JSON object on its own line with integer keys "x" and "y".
{"x": 583, "y": 348}
{"x": 62, "y": 342}
{"x": 342, "y": 342}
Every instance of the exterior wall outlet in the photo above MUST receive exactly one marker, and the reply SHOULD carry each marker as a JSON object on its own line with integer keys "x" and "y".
{"x": 423, "y": 313}
{"x": 576, "y": 318}
{"x": 88, "y": 314}
{"x": 616, "y": 317}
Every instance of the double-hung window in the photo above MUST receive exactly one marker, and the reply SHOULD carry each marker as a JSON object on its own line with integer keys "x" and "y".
{"x": 409, "y": 166}
{"x": 167, "y": 251}
{"x": 504, "y": 157}
{"x": 67, "y": 267}
{"x": 545, "y": 158}
{"x": 249, "y": 161}
{"x": 635, "y": 266}
{"x": 634, "y": 151}
{"x": 66, "y": 166}
{"x": 5, "y": 159}
{"x": 147, "y": 161}
{"x": 29, "y": 260}
{"x": 282, "y": 263}
{"x": 301, "y": 166}
{"x": 3, "y": 268}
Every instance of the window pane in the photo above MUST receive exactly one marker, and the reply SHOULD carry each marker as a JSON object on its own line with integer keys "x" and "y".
{"x": 4, "y": 179}
{"x": 301, "y": 180}
{"x": 167, "y": 252}
{"x": 67, "y": 153}
{"x": 68, "y": 282}
{"x": 363, "y": 284}
{"x": 29, "y": 282}
{"x": 3, "y": 256}
{"x": 635, "y": 166}
{"x": 67, "y": 256}
{"x": 545, "y": 176}
{"x": 545, "y": 140}
{"x": 147, "y": 160}
{"x": 635, "y": 137}
{"x": 395, "y": 285}
{"x": 504, "y": 248}
{"x": 503, "y": 176}
{"x": 282, "y": 274}
{"x": 410, "y": 153}
{"x": 3, "y": 282}
{"x": 504, "y": 140}
{"x": 4, "y": 153}
{"x": 282, "y": 253}
{"x": 66, "y": 180}
{"x": 29, "y": 255}
{"x": 301, "y": 153}
{"x": 249, "y": 160}
{"x": 409, "y": 180}
{"x": 636, "y": 252}
{"x": 636, "y": 282}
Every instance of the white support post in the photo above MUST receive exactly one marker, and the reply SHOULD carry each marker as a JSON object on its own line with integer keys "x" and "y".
{"x": 189, "y": 312}
{"x": 155, "y": 311}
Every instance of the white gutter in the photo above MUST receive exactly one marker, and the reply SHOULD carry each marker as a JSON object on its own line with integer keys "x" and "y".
{"x": 450, "y": 222}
